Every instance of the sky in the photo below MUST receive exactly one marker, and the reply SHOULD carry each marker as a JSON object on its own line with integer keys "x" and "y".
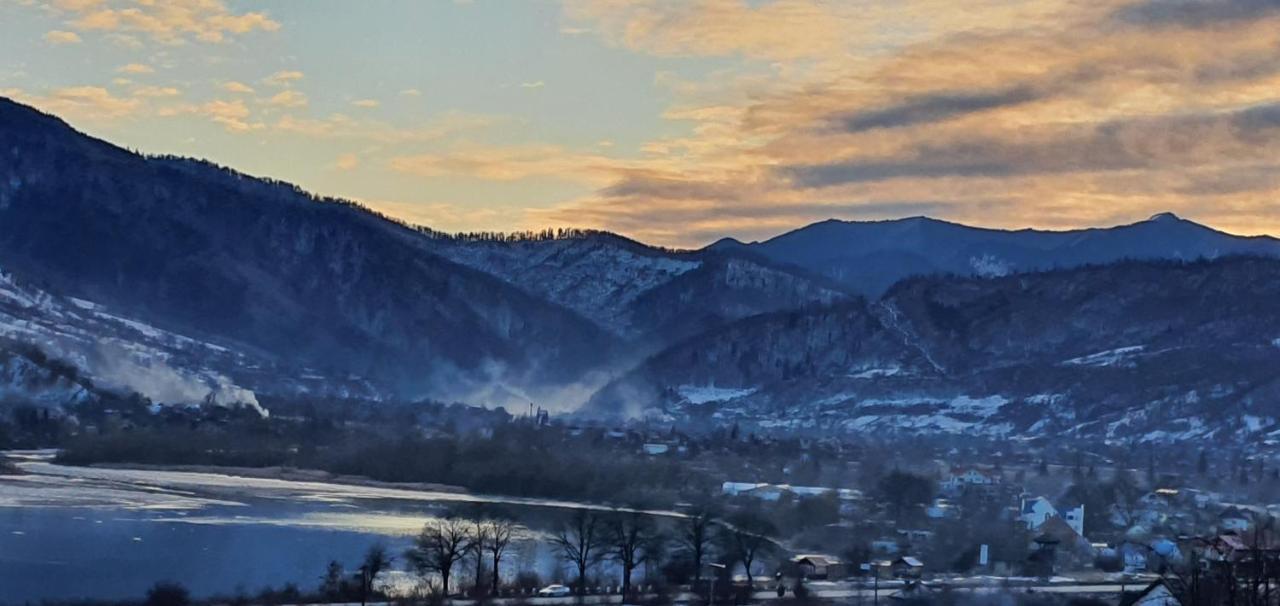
{"x": 679, "y": 122}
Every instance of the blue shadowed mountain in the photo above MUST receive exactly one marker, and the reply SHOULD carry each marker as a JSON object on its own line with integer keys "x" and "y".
{"x": 871, "y": 256}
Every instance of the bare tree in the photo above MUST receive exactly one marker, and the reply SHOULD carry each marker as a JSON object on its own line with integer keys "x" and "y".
{"x": 579, "y": 541}
{"x": 332, "y": 584}
{"x": 746, "y": 537}
{"x": 441, "y": 545}
{"x": 375, "y": 561}
{"x": 629, "y": 534}
{"x": 501, "y": 532}
{"x": 479, "y": 541}
{"x": 695, "y": 537}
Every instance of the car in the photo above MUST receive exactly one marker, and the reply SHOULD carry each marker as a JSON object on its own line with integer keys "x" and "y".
{"x": 554, "y": 591}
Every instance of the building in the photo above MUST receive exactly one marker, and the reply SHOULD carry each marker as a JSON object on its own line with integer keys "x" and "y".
{"x": 813, "y": 566}
{"x": 907, "y": 567}
{"x": 654, "y": 449}
{"x": 1036, "y": 511}
{"x": 961, "y": 479}
{"x": 1234, "y": 518}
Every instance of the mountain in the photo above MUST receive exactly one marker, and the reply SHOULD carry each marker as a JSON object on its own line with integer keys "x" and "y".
{"x": 186, "y": 282}
{"x": 871, "y": 256}
{"x": 637, "y": 292}
{"x": 1155, "y": 350}
{"x": 262, "y": 268}
{"x": 106, "y": 351}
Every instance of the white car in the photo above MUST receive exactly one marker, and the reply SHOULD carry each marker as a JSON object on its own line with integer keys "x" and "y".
{"x": 554, "y": 591}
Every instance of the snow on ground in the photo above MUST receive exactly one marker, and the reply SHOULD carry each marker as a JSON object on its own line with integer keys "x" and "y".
{"x": 593, "y": 277}
{"x": 1253, "y": 423}
{"x": 921, "y": 423}
{"x": 875, "y": 372}
{"x": 696, "y": 394}
{"x": 1111, "y": 357}
{"x": 983, "y": 407}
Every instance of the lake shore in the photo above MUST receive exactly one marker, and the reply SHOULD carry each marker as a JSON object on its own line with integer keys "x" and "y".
{"x": 287, "y": 474}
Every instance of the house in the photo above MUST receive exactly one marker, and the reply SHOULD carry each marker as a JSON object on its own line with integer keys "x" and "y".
{"x": 654, "y": 449}
{"x": 734, "y": 489}
{"x": 774, "y": 492}
{"x": 1234, "y": 518}
{"x": 1160, "y": 499}
{"x": 813, "y": 566}
{"x": 907, "y": 567}
{"x": 1133, "y": 557}
{"x": 941, "y": 508}
{"x": 1036, "y": 511}
{"x": 960, "y": 479}
{"x": 1075, "y": 519}
{"x": 915, "y": 536}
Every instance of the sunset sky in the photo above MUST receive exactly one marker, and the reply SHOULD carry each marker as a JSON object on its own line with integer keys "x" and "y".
{"x": 679, "y": 122}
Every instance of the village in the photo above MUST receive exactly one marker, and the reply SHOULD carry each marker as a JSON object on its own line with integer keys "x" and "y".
{"x": 847, "y": 517}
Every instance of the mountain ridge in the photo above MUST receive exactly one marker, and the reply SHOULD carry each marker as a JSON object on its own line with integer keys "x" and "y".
{"x": 905, "y": 325}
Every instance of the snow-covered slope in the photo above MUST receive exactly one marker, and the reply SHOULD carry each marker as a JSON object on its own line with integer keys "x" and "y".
{"x": 638, "y": 292}
{"x": 1137, "y": 350}
{"x": 101, "y": 349}
{"x": 598, "y": 275}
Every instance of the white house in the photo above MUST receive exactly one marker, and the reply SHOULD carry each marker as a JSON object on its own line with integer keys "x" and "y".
{"x": 734, "y": 489}
{"x": 1036, "y": 511}
{"x": 653, "y": 449}
{"x": 1075, "y": 519}
{"x": 941, "y": 508}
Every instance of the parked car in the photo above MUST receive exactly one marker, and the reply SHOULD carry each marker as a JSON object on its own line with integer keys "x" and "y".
{"x": 554, "y": 591}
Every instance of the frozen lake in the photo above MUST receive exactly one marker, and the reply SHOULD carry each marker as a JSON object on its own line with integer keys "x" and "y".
{"x": 71, "y": 532}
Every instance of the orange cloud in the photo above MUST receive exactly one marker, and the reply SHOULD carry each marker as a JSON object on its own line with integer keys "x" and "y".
{"x": 288, "y": 98}
{"x": 1053, "y": 114}
{"x": 283, "y": 78}
{"x": 88, "y": 103}
{"x": 237, "y": 87}
{"x": 58, "y": 38}
{"x": 135, "y": 68}
{"x": 169, "y": 22}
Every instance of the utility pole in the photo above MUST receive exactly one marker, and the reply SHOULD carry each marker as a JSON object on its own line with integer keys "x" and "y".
{"x": 715, "y": 576}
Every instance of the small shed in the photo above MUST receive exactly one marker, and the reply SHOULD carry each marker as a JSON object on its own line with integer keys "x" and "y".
{"x": 907, "y": 567}
{"x": 813, "y": 566}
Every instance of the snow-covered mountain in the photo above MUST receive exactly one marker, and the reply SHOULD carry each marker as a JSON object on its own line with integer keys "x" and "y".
{"x": 300, "y": 281}
{"x": 1141, "y": 350}
{"x": 190, "y": 283}
{"x": 59, "y": 350}
{"x": 638, "y": 292}
{"x": 871, "y": 256}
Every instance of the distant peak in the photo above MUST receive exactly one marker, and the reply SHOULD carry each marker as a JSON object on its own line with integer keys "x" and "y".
{"x": 1164, "y": 218}
{"x": 726, "y": 242}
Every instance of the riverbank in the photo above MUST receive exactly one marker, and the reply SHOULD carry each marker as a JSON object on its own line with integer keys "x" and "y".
{"x": 287, "y": 474}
